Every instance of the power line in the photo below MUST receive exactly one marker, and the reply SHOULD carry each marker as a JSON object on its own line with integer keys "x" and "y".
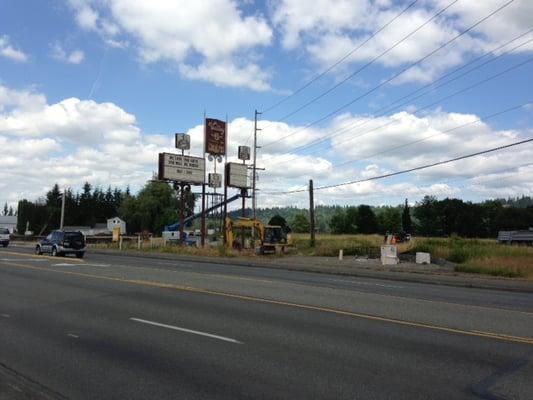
{"x": 362, "y": 68}
{"x": 405, "y": 171}
{"x": 480, "y": 119}
{"x": 343, "y": 58}
{"x": 394, "y": 76}
{"x": 390, "y": 107}
{"x": 427, "y": 106}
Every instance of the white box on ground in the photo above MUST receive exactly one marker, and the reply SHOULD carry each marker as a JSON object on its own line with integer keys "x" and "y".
{"x": 389, "y": 255}
{"x": 387, "y": 260}
{"x": 423, "y": 258}
{"x": 388, "y": 250}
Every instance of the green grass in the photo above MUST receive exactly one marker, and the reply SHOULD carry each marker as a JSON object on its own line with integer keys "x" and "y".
{"x": 479, "y": 256}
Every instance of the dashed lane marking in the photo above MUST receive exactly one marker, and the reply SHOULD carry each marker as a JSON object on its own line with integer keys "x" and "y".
{"x": 370, "y": 317}
{"x": 177, "y": 328}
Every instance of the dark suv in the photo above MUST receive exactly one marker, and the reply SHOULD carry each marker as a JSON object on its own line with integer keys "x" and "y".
{"x": 62, "y": 242}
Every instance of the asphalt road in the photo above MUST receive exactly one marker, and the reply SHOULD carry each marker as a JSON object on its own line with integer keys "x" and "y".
{"x": 131, "y": 328}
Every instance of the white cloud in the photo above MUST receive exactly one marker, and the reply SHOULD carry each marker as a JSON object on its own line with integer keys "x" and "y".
{"x": 330, "y": 29}
{"x": 206, "y": 40}
{"x": 73, "y": 57}
{"x": 8, "y": 51}
{"x": 77, "y": 140}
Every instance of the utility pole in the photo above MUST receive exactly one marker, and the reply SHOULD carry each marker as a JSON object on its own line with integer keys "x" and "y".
{"x": 62, "y": 210}
{"x": 254, "y": 166}
{"x": 312, "y": 212}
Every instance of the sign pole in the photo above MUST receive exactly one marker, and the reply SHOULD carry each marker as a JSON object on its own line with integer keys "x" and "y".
{"x": 202, "y": 223}
{"x": 182, "y": 209}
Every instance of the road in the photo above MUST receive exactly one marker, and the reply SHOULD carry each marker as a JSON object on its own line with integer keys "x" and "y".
{"x": 111, "y": 327}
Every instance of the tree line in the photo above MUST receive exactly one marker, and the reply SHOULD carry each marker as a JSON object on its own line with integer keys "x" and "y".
{"x": 428, "y": 217}
{"x": 84, "y": 208}
{"x": 155, "y": 206}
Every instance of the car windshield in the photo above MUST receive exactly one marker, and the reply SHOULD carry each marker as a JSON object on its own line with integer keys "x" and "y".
{"x": 4, "y": 231}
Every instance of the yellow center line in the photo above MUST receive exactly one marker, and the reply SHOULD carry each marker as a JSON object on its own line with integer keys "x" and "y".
{"x": 14, "y": 253}
{"x": 162, "y": 285}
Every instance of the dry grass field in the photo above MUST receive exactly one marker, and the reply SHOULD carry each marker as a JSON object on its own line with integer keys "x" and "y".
{"x": 471, "y": 255}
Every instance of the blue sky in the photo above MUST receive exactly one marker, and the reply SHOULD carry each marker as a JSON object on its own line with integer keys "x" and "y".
{"x": 94, "y": 89}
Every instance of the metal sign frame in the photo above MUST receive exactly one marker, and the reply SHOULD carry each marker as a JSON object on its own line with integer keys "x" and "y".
{"x": 237, "y": 175}
{"x": 178, "y": 168}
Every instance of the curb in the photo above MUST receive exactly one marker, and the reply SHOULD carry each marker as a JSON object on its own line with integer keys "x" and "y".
{"x": 403, "y": 276}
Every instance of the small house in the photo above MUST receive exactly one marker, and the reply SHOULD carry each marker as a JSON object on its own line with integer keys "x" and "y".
{"x": 116, "y": 222}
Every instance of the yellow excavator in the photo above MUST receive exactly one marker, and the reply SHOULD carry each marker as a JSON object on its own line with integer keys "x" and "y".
{"x": 272, "y": 238}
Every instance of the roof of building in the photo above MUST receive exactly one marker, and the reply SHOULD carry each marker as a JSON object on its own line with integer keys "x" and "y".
{"x": 8, "y": 219}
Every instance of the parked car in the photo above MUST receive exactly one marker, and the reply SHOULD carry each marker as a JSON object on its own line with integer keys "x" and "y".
{"x": 4, "y": 236}
{"x": 59, "y": 243}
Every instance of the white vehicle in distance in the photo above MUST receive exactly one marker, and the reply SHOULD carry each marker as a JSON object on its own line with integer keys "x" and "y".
{"x": 4, "y": 237}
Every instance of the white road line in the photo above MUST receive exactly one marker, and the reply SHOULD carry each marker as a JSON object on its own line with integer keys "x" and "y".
{"x": 23, "y": 259}
{"x": 72, "y": 335}
{"x": 5, "y": 315}
{"x": 366, "y": 283}
{"x": 176, "y": 328}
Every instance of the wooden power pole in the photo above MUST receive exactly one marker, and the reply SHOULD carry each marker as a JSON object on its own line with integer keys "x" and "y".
{"x": 312, "y": 212}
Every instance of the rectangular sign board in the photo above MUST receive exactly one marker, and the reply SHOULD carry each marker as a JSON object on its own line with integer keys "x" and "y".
{"x": 244, "y": 153}
{"x": 178, "y": 168}
{"x": 215, "y": 180}
{"x": 237, "y": 175}
{"x": 215, "y": 137}
{"x": 183, "y": 141}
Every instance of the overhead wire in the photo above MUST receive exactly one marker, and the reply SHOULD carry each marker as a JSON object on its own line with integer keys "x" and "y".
{"x": 369, "y": 63}
{"x": 396, "y": 75}
{"x": 393, "y": 105}
{"x": 477, "y": 120}
{"x": 342, "y": 59}
{"x": 405, "y": 171}
{"x": 425, "y": 107}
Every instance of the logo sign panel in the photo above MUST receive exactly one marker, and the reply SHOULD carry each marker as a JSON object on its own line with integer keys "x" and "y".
{"x": 178, "y": 168}
{"x": 215, "y": 180}
{"x": 244, "y": 153}
{"x": 183, "y": 141}
{"x": 215, "y": 137}
{"x": 237, "y": 175}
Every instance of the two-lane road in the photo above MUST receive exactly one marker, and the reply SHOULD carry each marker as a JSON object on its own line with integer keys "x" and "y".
{"x": 125, "y": 327}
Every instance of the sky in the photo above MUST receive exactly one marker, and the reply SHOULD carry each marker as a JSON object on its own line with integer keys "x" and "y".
{"x": 93, "y": 90}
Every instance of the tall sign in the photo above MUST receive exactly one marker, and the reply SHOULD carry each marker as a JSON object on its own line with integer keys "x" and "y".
{"x": 178, "y": 168}
{"x": 182, "y": 141}
{"x": 215, "y": 137}
{"x": 237, "y": 175}
{"x": 244, "y": 153}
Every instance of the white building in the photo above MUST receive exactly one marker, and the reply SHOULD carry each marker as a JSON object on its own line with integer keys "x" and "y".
{"x": 116, "y": 222}
{"x": 9, "y": 222}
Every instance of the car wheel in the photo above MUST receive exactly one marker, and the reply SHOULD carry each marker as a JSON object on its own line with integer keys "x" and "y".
{"x": 38, "y": 250}
{"x": 54, "y": 251}
{"x": 5, "y": 244}
{"x": 80, "y": 254}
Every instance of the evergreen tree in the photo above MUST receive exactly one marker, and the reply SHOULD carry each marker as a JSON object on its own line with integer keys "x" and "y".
{"x": 366, "y": 220}
{"x": 5, "y": 209}
{"x": 407, "y": 225}
{"x": 300, "y": 223}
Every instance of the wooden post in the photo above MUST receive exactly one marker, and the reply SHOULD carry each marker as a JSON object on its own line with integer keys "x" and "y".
{"x": 243, "y": 214}
{"x": 120, "y": 243}
{"x": 139, "y": 242}
{"x": 182, "y": 210}
{"x": 312, "y": 212}
{"x": 225, "y": 207}
{"x": 202, "y": 227}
